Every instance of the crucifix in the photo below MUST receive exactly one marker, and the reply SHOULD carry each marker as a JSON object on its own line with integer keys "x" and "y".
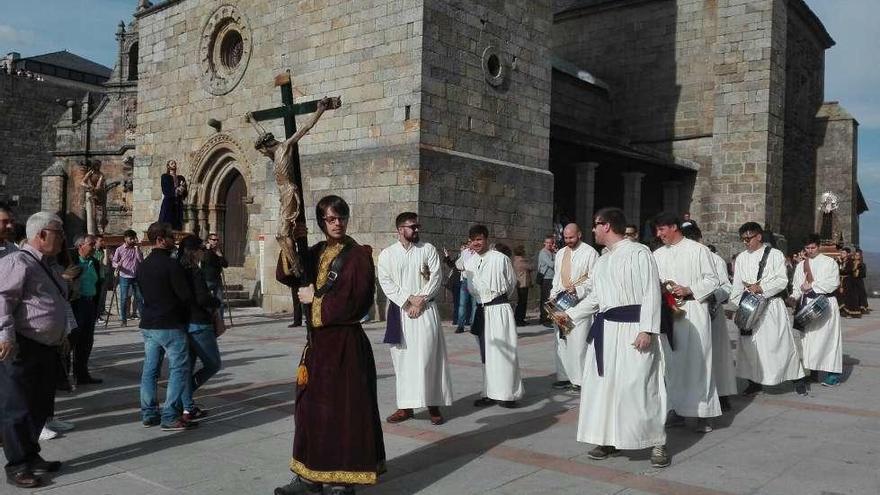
{"x": 288, "y": 172}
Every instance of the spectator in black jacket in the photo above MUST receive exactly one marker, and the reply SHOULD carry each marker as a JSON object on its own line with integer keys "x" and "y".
{"x": 201, "y": 331}
{"x": 213, "y": 264}
{"x": 167, "y": 297}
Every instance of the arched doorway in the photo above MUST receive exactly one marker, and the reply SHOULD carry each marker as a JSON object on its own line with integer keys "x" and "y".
{"x": 235, "y": 217}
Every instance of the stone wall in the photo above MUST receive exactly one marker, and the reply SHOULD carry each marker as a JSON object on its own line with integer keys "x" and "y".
{"x": 28, "y": 110}
{"x": 804, "y": 90}
{"x": 836, "y": 135}
{"x": 365, "y": 51}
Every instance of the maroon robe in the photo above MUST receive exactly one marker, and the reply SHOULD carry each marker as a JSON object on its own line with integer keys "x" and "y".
{"x": 338, "y": 437}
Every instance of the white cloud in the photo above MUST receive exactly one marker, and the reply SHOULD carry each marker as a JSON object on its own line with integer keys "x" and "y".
{"x": 15, "y": 38}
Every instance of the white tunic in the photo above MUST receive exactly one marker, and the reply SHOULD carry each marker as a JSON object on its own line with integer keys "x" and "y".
{"x": 571, "y": 353}
{"x": 626, "y": 407}
{"x": 822, "y": 342}
{"x": 690, "y": 383}
{"x": 722, "y": 355}
{"x": 769, "y": 355}
{"x": 420, "y": 359}
{"x": 491, "y": 275}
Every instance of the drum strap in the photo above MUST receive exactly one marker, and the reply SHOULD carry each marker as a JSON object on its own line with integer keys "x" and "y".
{"x": 762, "y": 263}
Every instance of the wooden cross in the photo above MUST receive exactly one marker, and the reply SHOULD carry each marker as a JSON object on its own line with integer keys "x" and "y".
{"x": 288, "y": 111}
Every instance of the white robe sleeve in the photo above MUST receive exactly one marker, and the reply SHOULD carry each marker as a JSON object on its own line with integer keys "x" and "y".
{"x": 556, "y": 287}
{"x": 798, "y": 280}
{"x": 826, "y": 278}
{"x": 737, "y": 288}
{"x": 707, "y": 280}
{"x": 431, "y": 288}
{"x": 722, "y": 293}
{"x": 646, "y": 268}
{"x": 510, "y": 277}
{"x": 591, "y": 263}
{"x": 587, "y": 306}
{"x": 774, "y": 279}
{"x": 391, "y": 288}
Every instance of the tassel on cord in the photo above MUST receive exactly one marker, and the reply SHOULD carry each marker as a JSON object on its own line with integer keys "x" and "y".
{"x": 302, "y": 373}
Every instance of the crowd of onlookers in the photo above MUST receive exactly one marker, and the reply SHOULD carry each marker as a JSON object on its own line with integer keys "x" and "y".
{"x": 53, "y": 295}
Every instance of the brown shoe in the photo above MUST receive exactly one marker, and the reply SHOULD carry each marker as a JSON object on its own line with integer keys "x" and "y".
{"x": 400, "y": 415}
{"x": 24, "y": 479}
{"x": 436, "y": 417}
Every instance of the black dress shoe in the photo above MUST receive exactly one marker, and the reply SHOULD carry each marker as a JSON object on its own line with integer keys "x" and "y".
{"x": 299, "y": 486}
{"x": 294, "y": 325}
{"x": 42, "y": 466}
{"x": 459, "y": 330}
{"x": 88, "y": 380}
{"x": 484, "y": 402}
{"x": 24, "y": 479}
{"x": 509, "y": 404}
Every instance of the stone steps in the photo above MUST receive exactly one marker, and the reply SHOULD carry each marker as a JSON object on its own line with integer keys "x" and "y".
{"x": 237, "y": 297}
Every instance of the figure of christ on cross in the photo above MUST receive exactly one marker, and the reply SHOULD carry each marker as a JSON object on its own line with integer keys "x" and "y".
{"x": 288, "y": 177}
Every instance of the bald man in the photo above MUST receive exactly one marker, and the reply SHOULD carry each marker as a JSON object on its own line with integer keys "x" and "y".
{"x": 572, "y": 266}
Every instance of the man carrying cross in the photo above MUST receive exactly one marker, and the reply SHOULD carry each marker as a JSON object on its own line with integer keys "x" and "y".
{"x": 288, "y": 192}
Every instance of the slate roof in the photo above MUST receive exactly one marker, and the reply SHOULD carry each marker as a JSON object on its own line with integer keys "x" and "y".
{"x": 67, "y": 60}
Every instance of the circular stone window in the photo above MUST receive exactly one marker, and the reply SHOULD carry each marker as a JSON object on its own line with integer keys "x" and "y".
{"x": 225, "y": 50}
{"x": 493, "y": 67}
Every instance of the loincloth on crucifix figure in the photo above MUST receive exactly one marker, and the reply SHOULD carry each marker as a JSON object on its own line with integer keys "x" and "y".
{"x": 290, "y": 197}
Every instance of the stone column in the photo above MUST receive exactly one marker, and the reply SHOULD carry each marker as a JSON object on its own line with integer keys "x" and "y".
{"x": 672, "y": 197}
{"x": 54, "y": 182}
{"x": 632, "y": 197}
{"x": 585, "y": 193}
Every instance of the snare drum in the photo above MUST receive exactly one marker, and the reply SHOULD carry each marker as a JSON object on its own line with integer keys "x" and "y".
{"x": 811, "y": 312}
{"x": 751, "y": 307}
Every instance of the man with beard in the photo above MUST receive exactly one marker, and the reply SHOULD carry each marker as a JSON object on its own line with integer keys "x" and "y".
{"x": 767, "y": 354}
{"x": 338, "y": 438}
{"x": 687, "y": 273}
{"x": 572, "y": 266}
{"x": 623, "y": 401}
{"x": 822, "y": 343}
{"x": 492, "y": 282}
{"x": 409, "y": 274}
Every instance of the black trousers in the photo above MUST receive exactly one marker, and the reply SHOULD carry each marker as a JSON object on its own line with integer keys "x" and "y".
{"x": 546, "y": 285}
{"x": 27, "y": 396}
{"x": 297, "y": 306}
{"x": 522, "y": 303}
{"x": 85, "y": 310}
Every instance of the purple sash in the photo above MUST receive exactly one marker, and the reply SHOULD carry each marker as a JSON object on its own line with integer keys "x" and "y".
{"x": 620, "y": 314}
{"x": 393, "y": 326}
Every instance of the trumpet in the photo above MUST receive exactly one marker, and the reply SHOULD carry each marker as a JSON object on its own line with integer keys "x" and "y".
{"x": 675, "y": 303}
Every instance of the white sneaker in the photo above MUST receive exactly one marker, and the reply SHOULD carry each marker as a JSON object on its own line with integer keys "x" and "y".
{"x": 47, "y": 434}
{"x": 58, "y": 425}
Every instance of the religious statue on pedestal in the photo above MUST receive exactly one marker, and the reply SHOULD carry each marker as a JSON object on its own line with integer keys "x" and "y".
{"x": 174, "y": 191}
{"x": 96, "y": 188}
{"x": 827, "y": 205}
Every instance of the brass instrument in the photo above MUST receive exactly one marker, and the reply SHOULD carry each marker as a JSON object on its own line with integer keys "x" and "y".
{"x": 677, "y": 306}
{"x": 564, "y": 300}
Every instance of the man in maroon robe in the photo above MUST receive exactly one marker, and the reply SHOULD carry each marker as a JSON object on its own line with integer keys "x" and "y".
{"x": 338, "y": 438}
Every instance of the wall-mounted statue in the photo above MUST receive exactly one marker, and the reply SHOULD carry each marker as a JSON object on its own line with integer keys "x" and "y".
{"x": 96, "y": 188}
{"x": 174, "y": 192}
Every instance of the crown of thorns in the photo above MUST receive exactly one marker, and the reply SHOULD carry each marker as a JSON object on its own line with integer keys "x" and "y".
{"x": 264, "y": 140}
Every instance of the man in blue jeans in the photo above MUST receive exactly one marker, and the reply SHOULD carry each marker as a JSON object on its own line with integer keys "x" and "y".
{"x": 465, "y": 306}
{"x": 167, "y": 297}
{"x": 126, "y": 260}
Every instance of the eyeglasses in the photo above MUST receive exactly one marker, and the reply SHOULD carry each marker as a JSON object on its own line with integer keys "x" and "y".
{"x": 747, "y": 238}
{"x": 414, "y": 226}
{"x": 596, "y": 224}
{"x": 339, "y": 220}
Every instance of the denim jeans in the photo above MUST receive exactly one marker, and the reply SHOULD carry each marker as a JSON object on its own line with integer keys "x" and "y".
{"x": 202, "y": 344}
{"x": 126, "y": 285}
{"x": 157, "y": 344}
{"x": 465, "y": 309}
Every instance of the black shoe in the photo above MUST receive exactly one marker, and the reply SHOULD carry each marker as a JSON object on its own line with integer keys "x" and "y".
{"x": 295, "y": 324}
{"x": 601, "y": 452}
{"x": 88, "y": 380}
{"x": 753, "y": 388}
{"x": 42, "y": 466}
{"x": 800, "y": 386}
{"x": 179, "y": 425}
{"x": 813, "y": 377}
{"x": 459, "y": 330}
{"x": 561, "y": 385}
{"x": 341, "y": 490}
{"x": 725, "y": 404}
{"x": 299, "y": 486}
{"x": 484, "y": 402}
{"x": 508, "y": 404}
{"x": 24, "y": 479}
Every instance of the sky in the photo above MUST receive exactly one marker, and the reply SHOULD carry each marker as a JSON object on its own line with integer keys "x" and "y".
{"x": 852, "y": 71}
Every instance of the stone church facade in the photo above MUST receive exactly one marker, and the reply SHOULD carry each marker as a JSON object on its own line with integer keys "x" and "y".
{"x": 510, "y": 113}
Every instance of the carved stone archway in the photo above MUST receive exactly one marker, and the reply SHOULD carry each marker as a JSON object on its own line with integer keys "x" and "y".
{"x": 212, "y": 165}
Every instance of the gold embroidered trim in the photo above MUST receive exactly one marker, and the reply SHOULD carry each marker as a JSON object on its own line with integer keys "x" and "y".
{"x": 347, "y": 477}
{"x": 327, "y": 257}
